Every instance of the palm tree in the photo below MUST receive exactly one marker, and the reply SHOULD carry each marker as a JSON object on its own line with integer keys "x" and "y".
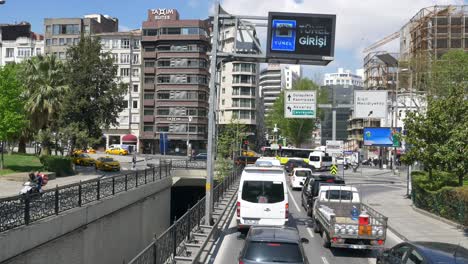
{"x": 45, "y": 86}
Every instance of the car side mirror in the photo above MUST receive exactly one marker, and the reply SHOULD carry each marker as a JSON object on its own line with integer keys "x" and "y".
{"x": 304, "y": 240}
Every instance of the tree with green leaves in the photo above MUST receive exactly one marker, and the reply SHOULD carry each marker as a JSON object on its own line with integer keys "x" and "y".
{"x": 95, "y": 97}
{"x": 437, "y": 137}
{"x": 230, "y": 137}
{"x": 12, "y": 117}
{"x": 295, "y": 130}
{"x": 45, "y": 86}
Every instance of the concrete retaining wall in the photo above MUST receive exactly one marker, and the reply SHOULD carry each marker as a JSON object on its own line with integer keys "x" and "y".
{"x": 112, "y": 230}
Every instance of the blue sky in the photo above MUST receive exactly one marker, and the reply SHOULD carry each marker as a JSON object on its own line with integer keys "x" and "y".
{"x": 359, "y": 22}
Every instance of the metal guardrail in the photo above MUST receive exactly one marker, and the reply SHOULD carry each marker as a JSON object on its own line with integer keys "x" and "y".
{"x": 165, "y": 247}
{"x": 25, "y": 209}
{"x": 188, "y": 164}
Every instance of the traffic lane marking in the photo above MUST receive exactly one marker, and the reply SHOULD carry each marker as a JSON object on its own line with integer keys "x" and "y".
{"x": 294, "y": 200}
{"x": 325, "y": 261}
{"x": 310, "y": 232}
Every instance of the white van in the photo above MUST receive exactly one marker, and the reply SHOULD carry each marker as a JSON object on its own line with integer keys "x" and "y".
{"x": 320, "y": 160}
{"x": 262, "y": 197}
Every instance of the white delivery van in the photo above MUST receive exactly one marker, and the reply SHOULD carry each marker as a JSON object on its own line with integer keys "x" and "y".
{"x": 298, "y": 177}
{"x": 262, "y": 197}
{"x": 320, "y": 160}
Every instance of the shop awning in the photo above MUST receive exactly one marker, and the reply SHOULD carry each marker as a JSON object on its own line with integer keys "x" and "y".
{"x": 129, "y": 138}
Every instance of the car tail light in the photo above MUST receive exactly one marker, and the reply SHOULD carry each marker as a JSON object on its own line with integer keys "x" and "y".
{"x": 380, "y": 242}
{"x": 238, "y": 209}
{"x": 286, "y": 212}
{"x": 241, "y": 262}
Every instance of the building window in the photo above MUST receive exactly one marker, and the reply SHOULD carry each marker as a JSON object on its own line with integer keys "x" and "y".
{"x": 135, "y": 88}
{"x": 125, "y": 44}
{"x": 115, "y": 57}
{"x": 48, "y": 29}
{"x": 38, "y": 51}
{"x": 10, "y": 52}
{"x": 148, "y": 112}
{"x": 123, "y": 120}
{"x": 135, "y": 104}
{"x": 223, "y": 91}
{"x": 149, "y": 63}
{"x": 164, "y": 95}
{"x": 61, "y": 41}
{"x": 149, "y": 80}
{"x": 24, "y": 52}
{"x": 163, "y": 128}
{"x": 125, "y": 103}
{"x": 136, "y": 44}
{"x": 163, "y": 111}
{"x": 224, "y": 78}
{"x": 125, "y": 72}
{"x": 115, "y": 43}
{"x": 54, "y": 41}
{"x": 69, "y": 41}
{"x": 148, "y": 96}
{"x": 147, "y": 128}
{"x": 48, "y": 42}
{"x": 222, "y": 102}
{"x": 135, "y": 58}
{"x": 76, "y": 41}
{"x": 135, "y": 72}
{"x": 125, "y": 58}
{"x": 105, "y": 43}
{"x": 86, "y": 29}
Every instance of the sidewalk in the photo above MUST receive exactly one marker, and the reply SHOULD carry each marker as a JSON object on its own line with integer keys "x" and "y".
{"x": 12, "y": 188}
{"x": 410, "y": 224}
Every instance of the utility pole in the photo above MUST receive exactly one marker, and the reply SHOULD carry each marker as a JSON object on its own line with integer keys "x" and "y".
{"x": 211, "y": 125}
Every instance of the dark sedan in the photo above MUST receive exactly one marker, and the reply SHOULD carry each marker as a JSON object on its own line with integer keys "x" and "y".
{"x": 273, "y": 244}
{"x": 424, "y": 253}
{"x": 200, "y": 156}
{"x": 296, "y": 163}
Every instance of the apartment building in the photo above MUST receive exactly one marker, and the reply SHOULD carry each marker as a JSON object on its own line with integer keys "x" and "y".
{"x": 175, "y": 83}
{"x": 18, "y": 43}
{"x": 125, "y": 48}
{"x": 60, "y": 33}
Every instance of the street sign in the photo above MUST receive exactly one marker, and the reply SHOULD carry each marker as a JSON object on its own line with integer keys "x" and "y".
{"x": 307, "y": 38}
{"x": 335, "y": 146}
{"x": 333, "y": 169}
{"x": 370, "y": 104}
{"x": 300, "y": 104}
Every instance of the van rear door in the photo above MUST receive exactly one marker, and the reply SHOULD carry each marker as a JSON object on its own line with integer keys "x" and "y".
{"x": 263, "y": 202}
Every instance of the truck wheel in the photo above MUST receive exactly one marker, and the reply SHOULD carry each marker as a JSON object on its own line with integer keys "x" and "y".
{"x": 316, "y": 227}
{"x": 325, "y": 240}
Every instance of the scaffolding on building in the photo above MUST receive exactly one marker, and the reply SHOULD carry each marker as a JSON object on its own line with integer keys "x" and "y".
{"x": 378, "y": 73}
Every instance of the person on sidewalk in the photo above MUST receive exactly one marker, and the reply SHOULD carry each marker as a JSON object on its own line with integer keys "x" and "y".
{"x": 134, "y": 162}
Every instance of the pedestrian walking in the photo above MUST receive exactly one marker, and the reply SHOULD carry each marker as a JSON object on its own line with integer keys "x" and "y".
{"x": 134, "y": 162}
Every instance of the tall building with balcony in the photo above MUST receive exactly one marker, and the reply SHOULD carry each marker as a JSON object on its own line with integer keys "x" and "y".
{"x": 239, "y": 81}
{"x": 343, "y": 77}
{"x": 125, "y": 48}
{"x": 271, "y": 84}
{"x": 175, "y": 83}
{"x": 60, "y": 33}
{"x": 18, "y": 43}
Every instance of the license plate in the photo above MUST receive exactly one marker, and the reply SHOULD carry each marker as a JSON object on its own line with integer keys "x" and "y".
{"x": 251, "y": 221}
{"x": 357, "y": 246}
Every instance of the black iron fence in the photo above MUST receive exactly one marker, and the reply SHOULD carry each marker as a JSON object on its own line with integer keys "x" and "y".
{"x": 166, "y": 246}
{"x": 25, "y": 209}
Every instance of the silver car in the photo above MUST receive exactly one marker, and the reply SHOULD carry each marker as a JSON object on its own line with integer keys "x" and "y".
{"x": 273, "y": 244}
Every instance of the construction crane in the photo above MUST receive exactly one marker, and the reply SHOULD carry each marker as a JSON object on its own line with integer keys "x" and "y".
{"x": 383, "y": 41}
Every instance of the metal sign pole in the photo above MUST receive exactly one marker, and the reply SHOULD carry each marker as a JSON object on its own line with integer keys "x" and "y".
{"x": 211, "y": 120}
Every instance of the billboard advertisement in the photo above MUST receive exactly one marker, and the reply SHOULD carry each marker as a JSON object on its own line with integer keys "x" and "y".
{"x": 382, "y": 136}
{"x": 370, "y": 104}
{"x": 302, "y": 37}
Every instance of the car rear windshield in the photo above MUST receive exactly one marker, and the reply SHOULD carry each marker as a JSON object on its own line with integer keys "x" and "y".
{"x": 263, "y": 191}
{"x": 339, "y": 195}
{"x": 303, "y": 173}
{"x": 107, "y": 160}
{"x": 273, "y": 252}
{"x": 327, "y": 158}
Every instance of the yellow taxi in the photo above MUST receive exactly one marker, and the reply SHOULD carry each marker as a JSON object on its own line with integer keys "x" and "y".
{"x": 117, "y": 151}
{"x": 91, "y": 150}
{"x": 107, "y": 163}
{"x": 83, "y": 159}
{"x": 78, "y": 151}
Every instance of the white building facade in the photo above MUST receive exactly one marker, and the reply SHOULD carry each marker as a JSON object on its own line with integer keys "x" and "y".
{"x": 23, "y": 48}
{"x": 125, "y": 48}
{"x": 344, "y": 77}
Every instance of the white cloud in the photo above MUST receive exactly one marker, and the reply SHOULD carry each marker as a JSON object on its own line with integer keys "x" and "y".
{"x": 359, "y": 23}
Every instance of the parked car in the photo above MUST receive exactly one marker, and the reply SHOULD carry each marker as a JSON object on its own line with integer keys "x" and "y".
{"x": 424, "y": 253}
{"x": 201, "y": 156}
{"x": 299, "y": 176}
{"x": 107, "y": 164}
{"x": 117, "y": 151}
{"x": 311, "y": 188}
{"x": 267, "y": 244}
{"x": 83, "y": 159}
{"x": 296, "y": 163}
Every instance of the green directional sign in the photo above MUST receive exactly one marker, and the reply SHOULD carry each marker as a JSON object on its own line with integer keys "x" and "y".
{"x": 302, "y": 112}
{"x": 333, "y": 169}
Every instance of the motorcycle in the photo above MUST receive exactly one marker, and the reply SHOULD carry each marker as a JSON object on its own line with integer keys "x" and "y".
{"x": 29, "y": 188}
